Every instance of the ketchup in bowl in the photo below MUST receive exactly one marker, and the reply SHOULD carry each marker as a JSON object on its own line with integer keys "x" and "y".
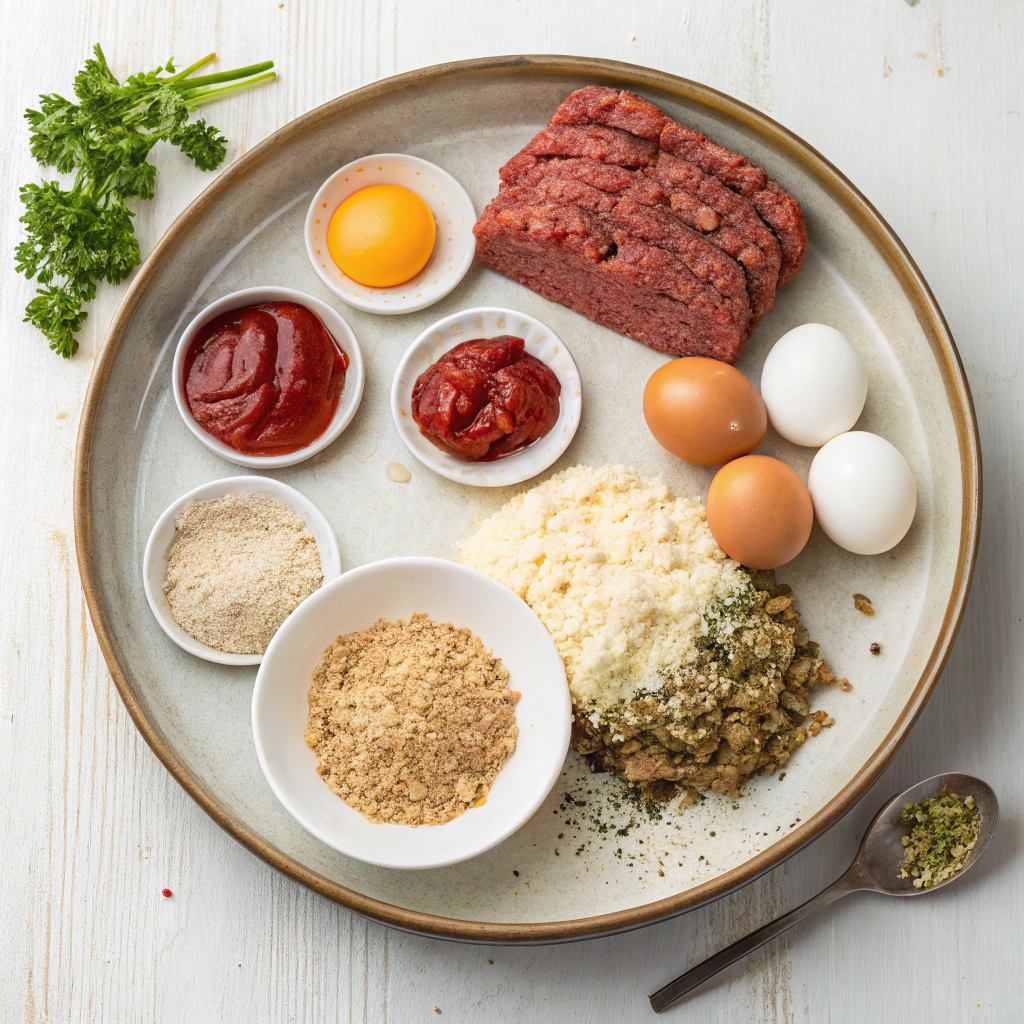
{"x": 486, "y": 399}
{"x": 264, "y": 379}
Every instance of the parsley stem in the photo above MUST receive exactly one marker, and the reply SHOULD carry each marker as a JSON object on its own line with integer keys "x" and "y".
{"x": 192, "y": 67}
{"x": 223, "y": 76}
{"x": 202, "y": 96}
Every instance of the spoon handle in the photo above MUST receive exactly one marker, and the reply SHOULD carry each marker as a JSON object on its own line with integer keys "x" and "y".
{"x": 675, "y": 990}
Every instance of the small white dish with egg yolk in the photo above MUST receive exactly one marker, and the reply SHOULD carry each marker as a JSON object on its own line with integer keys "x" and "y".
{"x": 489, "y": 322}
{"x": 394, "y": 589}
{"x": 454, "y": 244}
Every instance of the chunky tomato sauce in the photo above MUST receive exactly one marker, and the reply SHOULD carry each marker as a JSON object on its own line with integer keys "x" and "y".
{"x": 264, "y": 379}
{"x": 486, "y": 399}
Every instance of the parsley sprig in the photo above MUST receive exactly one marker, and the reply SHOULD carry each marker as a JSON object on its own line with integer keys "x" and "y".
{"x": 82, "y": 235}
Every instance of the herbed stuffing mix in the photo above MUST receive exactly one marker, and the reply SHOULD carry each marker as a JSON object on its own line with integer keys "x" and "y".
{"x": 740, "y": 709}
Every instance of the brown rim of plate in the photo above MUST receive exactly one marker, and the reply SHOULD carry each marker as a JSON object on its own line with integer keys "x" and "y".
{"x": 929, "y": 315}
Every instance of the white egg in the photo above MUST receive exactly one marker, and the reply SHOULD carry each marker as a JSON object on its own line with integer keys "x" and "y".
{"x": 814, "y": 384}
{"x": 863, "y": 492}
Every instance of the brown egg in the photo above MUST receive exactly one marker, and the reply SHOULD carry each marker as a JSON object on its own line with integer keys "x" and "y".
{"x": 704, "y": 411}
{"x": 759, "y": 511}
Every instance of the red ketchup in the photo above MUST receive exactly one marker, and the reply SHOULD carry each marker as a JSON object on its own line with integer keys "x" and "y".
{"x": 486, "y": 399}
{"x": 264, "y": 379}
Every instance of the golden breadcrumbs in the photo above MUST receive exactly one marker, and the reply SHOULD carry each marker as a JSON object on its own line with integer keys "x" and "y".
{"x": 411, "y": 721}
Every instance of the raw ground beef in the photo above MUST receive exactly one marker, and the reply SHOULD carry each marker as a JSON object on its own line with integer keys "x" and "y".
{"x": 617, "y": 108}
{"x": 674, "y": 241}
{"x": 697, "y": 199}
{"x": 574, "y": 257}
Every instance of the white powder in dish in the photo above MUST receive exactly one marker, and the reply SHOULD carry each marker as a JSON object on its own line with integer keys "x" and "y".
{"x": 238, "y": 567}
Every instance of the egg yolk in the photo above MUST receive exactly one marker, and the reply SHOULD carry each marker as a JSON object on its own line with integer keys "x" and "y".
{"x": 381, "y": 236}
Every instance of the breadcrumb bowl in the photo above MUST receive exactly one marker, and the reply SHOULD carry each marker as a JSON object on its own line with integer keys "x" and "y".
{"x": 396, "y": 589}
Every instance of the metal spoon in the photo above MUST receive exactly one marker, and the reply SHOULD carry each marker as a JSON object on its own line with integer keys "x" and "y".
{"x": 875, "y": 868}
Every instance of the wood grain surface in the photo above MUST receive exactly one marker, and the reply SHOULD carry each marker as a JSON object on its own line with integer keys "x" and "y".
{"x": 920, "y": 103}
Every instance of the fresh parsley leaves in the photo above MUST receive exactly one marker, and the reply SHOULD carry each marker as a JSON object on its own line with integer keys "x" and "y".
{"x": 82, "y": 235}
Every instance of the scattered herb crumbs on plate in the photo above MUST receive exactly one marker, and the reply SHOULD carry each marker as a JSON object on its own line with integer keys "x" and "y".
{"x": 863, "y": 604}
{"x": 944, "y": 831}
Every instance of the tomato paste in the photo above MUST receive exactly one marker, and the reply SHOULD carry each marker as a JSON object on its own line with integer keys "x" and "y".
{"x": 486, "y": 399}
{"x": 264, "y": 379}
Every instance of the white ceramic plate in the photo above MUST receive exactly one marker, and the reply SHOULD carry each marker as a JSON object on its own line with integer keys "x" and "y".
{"x": 454, "y": 245}
{"x": 163, "y": 534}
{"x": 348, "y": 403}
{"x": 395, "y": 589}
{"x": 135, "y": 456}
{"x": 488, "y": 322}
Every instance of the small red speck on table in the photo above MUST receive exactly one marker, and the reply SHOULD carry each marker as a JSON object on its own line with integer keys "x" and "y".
{"x": 166, "y": 892}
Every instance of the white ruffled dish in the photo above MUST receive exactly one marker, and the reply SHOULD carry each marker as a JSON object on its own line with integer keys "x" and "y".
{"x": 337, "y": 327}
{"x": 163, "y": 535}
{"x": 488, "y": 322}
{"x": 396, "y": 588}
{"x": 454, "y": 217}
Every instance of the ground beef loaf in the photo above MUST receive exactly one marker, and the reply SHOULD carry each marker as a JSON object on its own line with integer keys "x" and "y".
{"x": 740, "y": 231}
{"x": 602, "y": 269}
{"x": 697, "y": 199}
{"x": 780, "y": 211}
{"x": 593, "y": 141}
{"x": 617, "y": 108}
{"x": 643, "y": 225}
{"x": 659, "y": 227}
{"x": 627, "y": 112}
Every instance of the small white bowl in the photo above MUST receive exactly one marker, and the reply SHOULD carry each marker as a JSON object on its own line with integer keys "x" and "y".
{"x": 488, "y": 322}
{"x": 163, "y": 535}
{"x": 348, "y": 403}
{"x": 454, "y": 217}
{"x": 395, "y": 589}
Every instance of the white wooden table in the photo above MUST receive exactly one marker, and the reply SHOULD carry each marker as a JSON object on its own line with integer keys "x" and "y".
{"x": 921, "y": 103}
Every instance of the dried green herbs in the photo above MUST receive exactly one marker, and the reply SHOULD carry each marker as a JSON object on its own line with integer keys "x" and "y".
{"x": 945, "y": 829}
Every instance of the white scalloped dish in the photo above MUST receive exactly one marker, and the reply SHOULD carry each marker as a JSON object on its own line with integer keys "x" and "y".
{"x": 488, "y": 322}
{"x": 454, "y": 245}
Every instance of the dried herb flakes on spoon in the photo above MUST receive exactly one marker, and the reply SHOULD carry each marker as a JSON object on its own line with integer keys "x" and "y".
{"x": 944, "y": 831}
{"x": 79, "y": 236}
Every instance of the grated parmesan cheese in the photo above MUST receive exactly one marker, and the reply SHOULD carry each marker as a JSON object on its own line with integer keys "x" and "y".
{"x": 618, "y": 570}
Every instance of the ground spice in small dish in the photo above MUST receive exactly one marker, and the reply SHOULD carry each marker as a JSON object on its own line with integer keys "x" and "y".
{"x": 411, "y": 721}
{"x": 945, "y": 829}
{"x": 238, "y": 568}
